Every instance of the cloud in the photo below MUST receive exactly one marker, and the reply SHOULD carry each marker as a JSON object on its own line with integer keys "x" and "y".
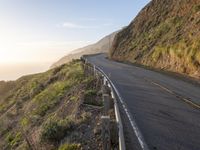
{"x": 89, "y": 19}
{"x": 52, "y": 43}
{"x": 71, "y": 25}
{"x": 107, "y": 24}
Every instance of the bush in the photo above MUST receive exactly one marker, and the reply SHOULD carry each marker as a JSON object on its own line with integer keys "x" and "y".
{"x": 51, "y": 96}
{"x": 90, "y": 98}
{"x": 90, "y": 93}
{"x": 69, "y": 147}
{"x": 54, "y": 130}
{"x": 13, "y": 140}
{"x": 74, "y": 98}
{"x": 24, "y": 122}
{"x": 196, "y": 8}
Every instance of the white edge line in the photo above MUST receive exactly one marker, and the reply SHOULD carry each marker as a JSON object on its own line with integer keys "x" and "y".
{"x": 133, "y": 123}
{"x": 118, "y": 118}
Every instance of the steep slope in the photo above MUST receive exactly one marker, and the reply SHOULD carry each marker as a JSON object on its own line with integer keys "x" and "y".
{"x": 44, "y": 111}
{"x": 165, "y": 35}
{"x": 5, "y": 87}
{"x": 101, "y": 46}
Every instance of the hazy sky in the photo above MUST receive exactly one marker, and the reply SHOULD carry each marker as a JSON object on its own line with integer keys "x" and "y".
{"x": 41, "y": 31}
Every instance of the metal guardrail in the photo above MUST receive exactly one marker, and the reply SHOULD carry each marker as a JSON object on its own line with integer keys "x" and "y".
{"x": 116, "y": 107}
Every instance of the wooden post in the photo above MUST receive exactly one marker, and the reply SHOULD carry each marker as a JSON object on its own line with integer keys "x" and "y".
{"x": 101, "y": 79}
{"x": 90, "y": 70}
{"x": 106, "y": 103}
{"x": 85, "y": 69}
{"x": 114, "y": 133}
{"x": 98, "y": 84}
{"x": 94, "y": 71}
{"x": 105, "y": 132}
{"x": 104, "y": 80}
{"x": 83, "y": 65}
{"x": 105, "y": 89}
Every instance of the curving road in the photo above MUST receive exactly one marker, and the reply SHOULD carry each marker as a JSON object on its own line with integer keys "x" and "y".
{"x": 165, "y": 109}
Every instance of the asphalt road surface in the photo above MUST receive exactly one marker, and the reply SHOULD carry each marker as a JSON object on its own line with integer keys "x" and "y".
{"x": 158, "y": 105}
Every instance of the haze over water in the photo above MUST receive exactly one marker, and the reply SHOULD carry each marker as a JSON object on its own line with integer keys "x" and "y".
{"x": 14, "y": 71}
{"x": 34, "y": 34}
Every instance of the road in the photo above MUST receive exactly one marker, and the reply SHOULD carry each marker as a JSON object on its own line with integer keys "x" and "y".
{"x": 156, "y": 104}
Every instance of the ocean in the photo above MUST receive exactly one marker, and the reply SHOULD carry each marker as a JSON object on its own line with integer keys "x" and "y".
{"x": 14, "y": 71}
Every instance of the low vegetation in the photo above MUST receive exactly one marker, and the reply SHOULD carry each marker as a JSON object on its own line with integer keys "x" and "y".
{"x": 164, "y": 35}
{"x": 55, "y": 130}
{"x": 48, "y": 111}
{"x": 90, "y": 98}
{"x": 69, "y": 147}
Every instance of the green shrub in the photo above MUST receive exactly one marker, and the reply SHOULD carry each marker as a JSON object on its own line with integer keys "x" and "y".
{"x": 196, "y": 8}
{"x": 24, "y": 122}
{"x": 74, "y": 98}
{"x": 90, "y": 93}
{"x": 55, "y": 130}
{"x": 70, "y": 147}
{"x": 90, "y": 98}
{"x": 50, "y": 97}
{"x": 13, "y": 139}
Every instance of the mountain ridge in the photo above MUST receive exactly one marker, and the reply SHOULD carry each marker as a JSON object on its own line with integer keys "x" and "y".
{"x": 102, "y": 46}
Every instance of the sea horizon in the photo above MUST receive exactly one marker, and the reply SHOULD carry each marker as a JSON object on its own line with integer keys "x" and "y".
{"x": 13, "y": 71}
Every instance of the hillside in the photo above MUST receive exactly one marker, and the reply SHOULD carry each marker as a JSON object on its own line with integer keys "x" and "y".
{"x": 51, "y": 110}
{"x": 5, "y": 87}
{"x": 164, "y": 35}
{"x": 101, "y": 46}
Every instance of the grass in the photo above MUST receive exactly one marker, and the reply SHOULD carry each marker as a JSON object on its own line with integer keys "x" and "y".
{"x": 185, "y": 51}
{"x": 50, "y": 97}
{"x": 13, "y": 139}
{"x": 164, "y": 35}
{"x": 70, "y": 147}
{"x": 90, "y": 93}
{"x": 37, "y": 100}
{"x": 90, "y": 98}
{"x": 55, "y": 130}
{"x": 24, "y": 122}
{"x": 196, "y": 8}
{"x": 74, "y": 98}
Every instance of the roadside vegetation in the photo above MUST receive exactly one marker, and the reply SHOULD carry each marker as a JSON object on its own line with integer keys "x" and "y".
{"x": 164, "y": 35}
{"x": 51, "y": 110}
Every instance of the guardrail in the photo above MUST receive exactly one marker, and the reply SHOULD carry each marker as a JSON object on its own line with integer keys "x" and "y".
{"x": 107, "y": 82}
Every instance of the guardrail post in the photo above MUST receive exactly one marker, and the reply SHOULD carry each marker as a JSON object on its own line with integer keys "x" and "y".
{"x": 91, "y": 70}
{"x": 114, "y": 134}
{"x": 106, "y": 132}
{"x": 106, "y": 103}
{"x": 105, "y": 89}
{"x": 84, "y": 68}
{"x": 101, "y": 78}
{"x": 104, "y": 80}
{"x": 94, "y": 71}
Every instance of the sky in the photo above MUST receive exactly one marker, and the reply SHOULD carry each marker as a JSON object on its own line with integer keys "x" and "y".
{"x": 42, "y": 31}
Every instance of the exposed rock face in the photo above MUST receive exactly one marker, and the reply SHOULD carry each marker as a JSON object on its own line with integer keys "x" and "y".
{"x": 101, "y": 46}
{"x": 165, "y": 34}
